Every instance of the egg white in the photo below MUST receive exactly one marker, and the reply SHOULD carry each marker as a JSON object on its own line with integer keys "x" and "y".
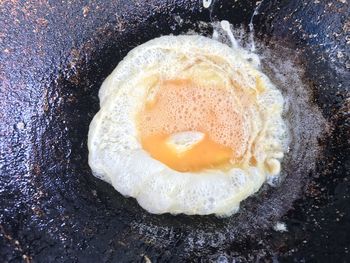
{"x": 117, "y": 157}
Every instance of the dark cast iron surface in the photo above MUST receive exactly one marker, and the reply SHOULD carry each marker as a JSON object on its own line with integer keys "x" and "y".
{"x": 54, "y": 56}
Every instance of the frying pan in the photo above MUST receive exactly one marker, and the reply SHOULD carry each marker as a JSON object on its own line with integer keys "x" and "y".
{"x": 54, "y": 57}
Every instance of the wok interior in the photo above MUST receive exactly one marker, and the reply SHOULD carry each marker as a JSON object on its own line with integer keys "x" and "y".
{"x": 72, "y": 212}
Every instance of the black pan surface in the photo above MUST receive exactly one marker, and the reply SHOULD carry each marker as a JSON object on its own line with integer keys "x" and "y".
{"x": 54, "y": 57}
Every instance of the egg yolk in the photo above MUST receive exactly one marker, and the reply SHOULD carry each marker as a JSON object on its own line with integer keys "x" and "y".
{"x": 204, "y": 154}
{"x": 190, "y": 127}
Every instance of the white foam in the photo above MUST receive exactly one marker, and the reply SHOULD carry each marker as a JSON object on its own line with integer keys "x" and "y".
{"x": 183, "y": 141}
{"x": 227, "y": 27}
{"x": 251, "y": 26}
{"x": 280, "y": 227}
{"x": 207, "y": 3}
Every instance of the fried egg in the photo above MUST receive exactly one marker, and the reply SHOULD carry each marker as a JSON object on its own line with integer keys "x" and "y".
{"x": 187, "y": 125}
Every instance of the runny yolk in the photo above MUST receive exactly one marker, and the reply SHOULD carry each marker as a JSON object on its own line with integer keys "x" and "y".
{"x": 204, "y": 154}
{"x": 177, "y": 106}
